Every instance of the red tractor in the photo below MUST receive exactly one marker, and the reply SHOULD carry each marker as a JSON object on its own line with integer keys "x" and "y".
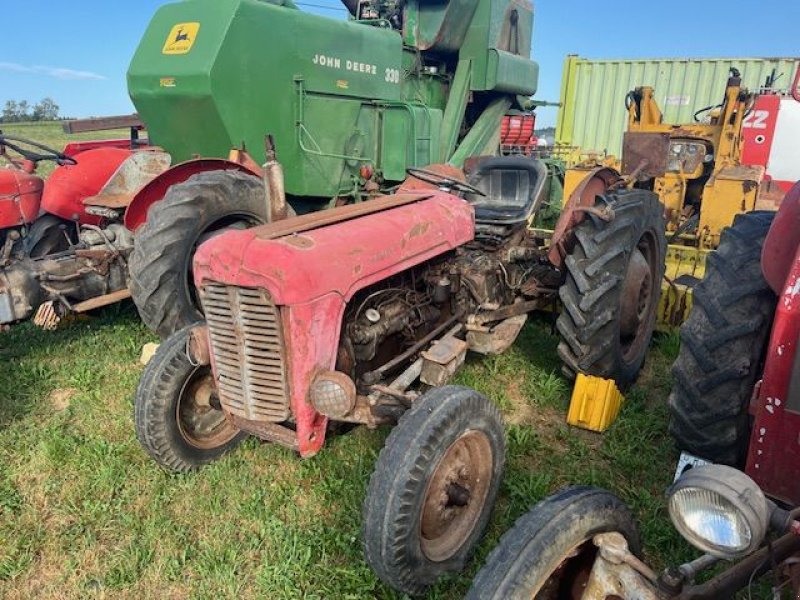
{"x": 360, "y": 314}
{"x": 66, "y": 244}
{"x": 735, "y": 402}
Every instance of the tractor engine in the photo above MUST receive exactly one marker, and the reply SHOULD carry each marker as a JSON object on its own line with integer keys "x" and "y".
{"x": 94, "y": 267}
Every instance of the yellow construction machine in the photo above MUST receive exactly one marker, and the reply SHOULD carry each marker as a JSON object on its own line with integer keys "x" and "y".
{"x": 696, "y": 171}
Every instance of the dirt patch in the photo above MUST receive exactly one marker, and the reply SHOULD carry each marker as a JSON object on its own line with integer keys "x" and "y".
{"x": 60, "y": 398}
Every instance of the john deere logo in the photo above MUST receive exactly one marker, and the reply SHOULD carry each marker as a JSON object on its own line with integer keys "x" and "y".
{"x": 181, "y": 38}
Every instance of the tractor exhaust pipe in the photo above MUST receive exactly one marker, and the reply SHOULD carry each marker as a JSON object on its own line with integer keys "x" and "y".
{"x": 274, "y": 184}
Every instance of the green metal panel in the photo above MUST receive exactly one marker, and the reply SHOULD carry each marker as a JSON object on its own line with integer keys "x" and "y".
{"x": 592, "y": 115}
{"x": 210, "y": 75}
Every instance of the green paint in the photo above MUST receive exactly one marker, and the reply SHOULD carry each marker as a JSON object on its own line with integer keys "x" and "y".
{"x": 334, "y": 94}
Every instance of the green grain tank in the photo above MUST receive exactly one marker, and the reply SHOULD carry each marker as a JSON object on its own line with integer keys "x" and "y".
{"x": 396, "y": 85}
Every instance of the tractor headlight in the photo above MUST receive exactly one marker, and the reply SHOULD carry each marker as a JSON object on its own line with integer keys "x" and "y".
{"x": 333, "y": 394}
{"x": 719, "y": 510}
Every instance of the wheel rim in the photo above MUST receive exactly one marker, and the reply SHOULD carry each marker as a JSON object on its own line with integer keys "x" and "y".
{"x": 201, "y": 424}
{"x": 639, "y": 293}
{"x": 568, "y": 580}
{"x": 455, "y": 495}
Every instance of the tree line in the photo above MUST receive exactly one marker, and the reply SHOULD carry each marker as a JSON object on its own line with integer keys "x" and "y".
{"x": 22, "y": 111}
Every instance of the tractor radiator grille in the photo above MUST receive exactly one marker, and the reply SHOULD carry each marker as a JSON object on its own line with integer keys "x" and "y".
{"x": 247, "y": 344}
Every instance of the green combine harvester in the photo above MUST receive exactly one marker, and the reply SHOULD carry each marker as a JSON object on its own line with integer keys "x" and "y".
{"x": 350, "y": 105}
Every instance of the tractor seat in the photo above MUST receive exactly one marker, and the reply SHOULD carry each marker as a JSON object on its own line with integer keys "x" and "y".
{"x": 513, "y": 185}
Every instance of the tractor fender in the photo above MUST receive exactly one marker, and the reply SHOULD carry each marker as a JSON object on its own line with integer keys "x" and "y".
{"x": 596, "y": 183}
{"x": 152, "y": 192}
{"x": 783, "y": 240}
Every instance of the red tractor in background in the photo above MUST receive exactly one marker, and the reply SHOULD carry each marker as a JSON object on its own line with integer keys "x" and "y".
{"x": 736, "y": 403}
{"x": 65, "y": 244}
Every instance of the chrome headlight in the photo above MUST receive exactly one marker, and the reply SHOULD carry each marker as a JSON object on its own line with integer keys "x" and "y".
{"x": 719, "y": 510}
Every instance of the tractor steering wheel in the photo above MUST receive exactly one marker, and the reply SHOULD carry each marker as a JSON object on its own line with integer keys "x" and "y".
{"x": 48, "y": 153}
{"x": 443, "y": 181}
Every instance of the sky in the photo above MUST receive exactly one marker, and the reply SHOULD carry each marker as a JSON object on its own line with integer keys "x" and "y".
{"x": 78, "y": 52}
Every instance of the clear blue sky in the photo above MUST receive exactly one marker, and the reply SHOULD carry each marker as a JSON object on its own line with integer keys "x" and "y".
{"x": 78, "y": 52}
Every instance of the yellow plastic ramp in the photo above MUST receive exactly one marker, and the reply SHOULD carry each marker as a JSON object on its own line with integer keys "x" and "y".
{"x": 595, "y": 403}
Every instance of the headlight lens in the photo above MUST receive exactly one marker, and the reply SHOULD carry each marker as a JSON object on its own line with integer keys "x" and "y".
{"x": 719, "y": 510}
{"x": 333, "y": 394}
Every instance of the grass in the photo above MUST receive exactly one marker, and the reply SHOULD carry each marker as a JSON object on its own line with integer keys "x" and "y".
{"x": 85, "y": 513}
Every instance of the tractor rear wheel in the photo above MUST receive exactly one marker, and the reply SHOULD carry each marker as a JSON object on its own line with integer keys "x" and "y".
{"x": 548, "y": 553}
{"x": 722, "y": 346}
{"x": 192, "y": 212}
{"x": 176, "y": 410}
{"x": 433, "y": 488}
{"x": 612, "y": 287}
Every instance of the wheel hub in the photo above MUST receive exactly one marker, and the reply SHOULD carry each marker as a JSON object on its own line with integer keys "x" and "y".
{"x": 636, "y": 295}
{"x": 200, "y": 422}
{"x": 455, "y": 495}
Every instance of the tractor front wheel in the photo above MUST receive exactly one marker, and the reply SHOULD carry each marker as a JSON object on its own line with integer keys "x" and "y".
{"x": 192, "y": 212}
{"x": 433, "y": 488}
{"x": 548, "y": 554}
{"x": 176, "y": 410}
{"x": 613, "y": 286}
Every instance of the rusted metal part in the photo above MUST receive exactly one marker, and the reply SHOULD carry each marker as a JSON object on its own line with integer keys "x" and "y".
{"x": 270, "y": 432}
{"x": 103, "y": 124}
{"x": 319, "y": 219}
{"x": 320, "y": 392}
{"x": 597, "y": 182}
{"x": 277, "y": 209}
{"x": 397, "y": 388}
{"x": 736, "y": 578}
{"x": 139, "y": 169}
{"x": 636, "y": 295}
{"x": 198, "y": 347}
{"x": 605, "y": 213}
{"x": 377, "y": 374}
{"x": 455, "y": 495}
{"x": 644, "y": 154}
{"x": 442, "y": 360}
{"x": 512, "y": 310}
{"x": 499, "y": 338}
{"x": 618, "y": 573}
{"x": 248, "y": 352}
{"x": 200, "y": 421}
{"x": 100, "y": 301}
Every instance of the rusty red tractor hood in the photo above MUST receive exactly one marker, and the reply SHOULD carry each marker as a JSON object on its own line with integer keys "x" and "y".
{"x": 311, "y": 271}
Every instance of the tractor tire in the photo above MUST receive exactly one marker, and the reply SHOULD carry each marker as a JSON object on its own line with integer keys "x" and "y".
{"x": 192, "y": 212}
{"x": 47, "y": 235}
{"x": 433, "y": 488}
{"x": 722, "y": 346}
{"x": 176, "y": 421}
{"x": 612, "y": 288}
{"x": 548, "y": 553}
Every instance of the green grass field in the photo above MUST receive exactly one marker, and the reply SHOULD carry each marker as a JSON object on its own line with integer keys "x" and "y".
{"x": 85, "y": 513}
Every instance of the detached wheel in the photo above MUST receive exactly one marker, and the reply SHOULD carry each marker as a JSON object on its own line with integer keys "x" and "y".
{"x": 548, "y": 554}
{"x": 433, "y": 488}
{"x": 176, "y": 410}
{"x": 612, "y": 288}
{"x": 191, "y": 212}
{"x": 722, "y": 344}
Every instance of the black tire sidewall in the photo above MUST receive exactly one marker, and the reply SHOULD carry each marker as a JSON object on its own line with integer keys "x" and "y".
{"x": 211, "y": 198}
{"x": 537, "y": 543}
{"x": 393, "y": 507}
{"x": 156, "y": 404}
